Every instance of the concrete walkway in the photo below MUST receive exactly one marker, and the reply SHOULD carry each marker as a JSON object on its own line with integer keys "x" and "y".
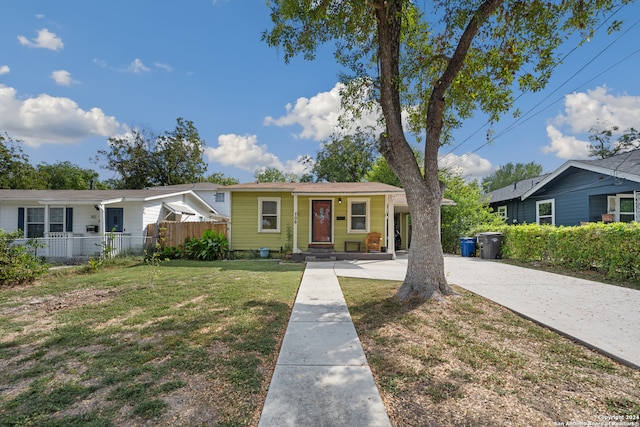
{"x": 322, "y": 377}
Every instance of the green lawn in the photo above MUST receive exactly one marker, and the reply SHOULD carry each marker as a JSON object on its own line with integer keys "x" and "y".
{"x": 182, "y": 343}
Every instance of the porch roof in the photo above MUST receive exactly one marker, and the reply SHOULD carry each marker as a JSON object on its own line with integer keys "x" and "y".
{"x": 318, "y": 187}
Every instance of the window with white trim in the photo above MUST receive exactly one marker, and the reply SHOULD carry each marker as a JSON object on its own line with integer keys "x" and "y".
{"x": 622, "y": 206}
{"x": 269, "y": 214}
{"x": 56, "y": 220}
{"x": 358, "y": 213}
{"x": 502, "y": 211}
{"x": 34, "y": 223}
{"x": 545, "y": 212}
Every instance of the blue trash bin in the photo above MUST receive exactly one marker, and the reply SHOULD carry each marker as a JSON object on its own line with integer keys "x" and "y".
{"x": 468, "y": 246}
{"x": 264, "y": 252}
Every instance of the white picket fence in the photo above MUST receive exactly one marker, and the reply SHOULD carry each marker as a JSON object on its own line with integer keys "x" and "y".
{"x": 70, "y": 245}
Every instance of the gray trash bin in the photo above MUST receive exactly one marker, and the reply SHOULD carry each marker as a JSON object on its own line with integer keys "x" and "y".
{"x": 489, "y": 245}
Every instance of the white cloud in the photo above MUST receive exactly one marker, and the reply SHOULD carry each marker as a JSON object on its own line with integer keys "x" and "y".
{"x": 163, "y": 66}
{"x": 4, "y": 69}
{"x": 598, "y": 107}
{"x": 583, "y": 111}
{"x": 318, "y": 116}
{"x": 565, "y": 147}
{"x": 62, "y": 78}
{"x": 100, "y": 62}
{"x": 51, "y": 120}
{"x": 242, "y": 151}
{"x": 137, "y": 67}
{"x": 470, "y": 166}
{"x": 45, "y": 40}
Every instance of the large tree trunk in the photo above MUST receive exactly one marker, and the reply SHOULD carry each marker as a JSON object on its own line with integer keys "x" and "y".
{"x": 425, "y": 277}
{"x": 425, "y": 272}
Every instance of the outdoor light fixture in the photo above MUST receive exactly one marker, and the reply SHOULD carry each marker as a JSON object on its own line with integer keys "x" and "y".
{"x": 339, "y": 200}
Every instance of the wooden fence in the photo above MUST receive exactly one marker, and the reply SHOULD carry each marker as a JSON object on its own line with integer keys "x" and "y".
{"x": 172, "y": 233}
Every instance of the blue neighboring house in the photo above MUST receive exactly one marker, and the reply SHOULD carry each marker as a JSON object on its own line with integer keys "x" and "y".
{"x": 579, "y": 191}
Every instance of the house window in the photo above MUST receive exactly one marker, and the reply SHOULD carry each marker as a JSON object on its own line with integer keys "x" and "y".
{"x": 56, "y": 220}
{"x": 545, "y": 212}
{"x": 622, "y": 206}
{"x": 35, "y": 223}
{"x": 219, "y": 197}
{"x": 269, "y": 214}
{"x": 358, "y": 212}
{"x": 502, "y": 212}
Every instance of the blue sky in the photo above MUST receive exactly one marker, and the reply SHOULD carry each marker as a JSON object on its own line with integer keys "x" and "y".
{"x": 73, "y": 73}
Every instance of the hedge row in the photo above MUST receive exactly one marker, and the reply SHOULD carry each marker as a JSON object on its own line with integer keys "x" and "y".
{"x": 613, "y": 249}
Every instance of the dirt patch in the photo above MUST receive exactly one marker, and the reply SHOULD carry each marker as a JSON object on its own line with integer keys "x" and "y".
{"x": 52, "y": 303}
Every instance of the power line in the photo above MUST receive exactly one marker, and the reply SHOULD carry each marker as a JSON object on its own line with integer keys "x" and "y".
{"x": 523, "y": 119}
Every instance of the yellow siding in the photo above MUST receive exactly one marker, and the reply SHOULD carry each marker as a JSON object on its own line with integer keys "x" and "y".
{"x": 244, "y": 221}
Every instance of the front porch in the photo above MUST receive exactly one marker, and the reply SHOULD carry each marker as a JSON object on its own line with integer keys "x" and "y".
{"x": 315, "y": 255}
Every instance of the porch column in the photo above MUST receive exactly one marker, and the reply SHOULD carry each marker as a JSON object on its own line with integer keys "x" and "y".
{"x": 390, "y": 213}
{"x": 295, "y": 224}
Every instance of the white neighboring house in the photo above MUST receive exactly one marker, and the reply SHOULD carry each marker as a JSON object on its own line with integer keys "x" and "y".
{"x": 77, "y": 223}
{"x": 214, "y": 194}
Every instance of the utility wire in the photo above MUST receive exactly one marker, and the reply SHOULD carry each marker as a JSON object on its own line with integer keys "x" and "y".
{"x": 523, "y": 119}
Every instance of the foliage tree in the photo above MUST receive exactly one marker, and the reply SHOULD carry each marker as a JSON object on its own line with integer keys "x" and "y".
{"x": 602, "y": 147}
{"x": 142, "y": 159}
{"x": 381, "y": 172}
{"x": 510, "y": 173}
{"x": 222, "y": 179}
{"x": 67, "y": 176}
{"x": 445, "y": 60}
{"x": 345, "y": 158}
{"x": 471, "y": 211}
{"x": 15, "y": 170}
{"x": 271, "y": 174}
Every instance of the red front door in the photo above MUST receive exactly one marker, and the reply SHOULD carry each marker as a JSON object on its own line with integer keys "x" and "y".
{"x": 321, "y": 222}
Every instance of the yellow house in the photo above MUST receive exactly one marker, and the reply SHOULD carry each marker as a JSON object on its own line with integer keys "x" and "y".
{"x": 316, "y": 217}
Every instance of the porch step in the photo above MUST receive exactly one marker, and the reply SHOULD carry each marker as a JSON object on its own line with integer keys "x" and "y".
{"x": 313, "y": 258}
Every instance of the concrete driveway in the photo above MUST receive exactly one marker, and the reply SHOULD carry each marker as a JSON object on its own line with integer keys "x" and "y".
{"x": 600, "y": 316}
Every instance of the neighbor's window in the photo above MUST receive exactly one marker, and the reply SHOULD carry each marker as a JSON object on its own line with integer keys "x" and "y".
{"x": 358, "y": 215}
{"x": 502, "y": 211}
{"x": 219, "y": 197}
{"x": 627, "y": 209}
{"x": 35, "y": 223}
{"x": 269, "y": 214}
{"x": 545, "y": 212}
{"x": 56, "y": 220}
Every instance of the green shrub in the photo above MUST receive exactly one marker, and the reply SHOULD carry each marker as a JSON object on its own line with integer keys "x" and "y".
{"x": 610, "y": 248}
{"x": 17, "y": 264}
{"x": 211, "y": 246}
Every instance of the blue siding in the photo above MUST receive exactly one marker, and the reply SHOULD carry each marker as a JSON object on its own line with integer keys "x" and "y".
{"x": 581, "y": 195}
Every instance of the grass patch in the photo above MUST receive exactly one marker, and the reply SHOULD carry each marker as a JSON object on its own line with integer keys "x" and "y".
{"x": 468, "y": 361}
{"x": 194, "y": 346}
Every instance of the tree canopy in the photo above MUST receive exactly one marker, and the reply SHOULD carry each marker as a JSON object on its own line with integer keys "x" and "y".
{"x": 15, "y": 170}
{"x": 437, "y": 63}
{"x": 345, "y": 158}
{"x": 271, "y": 174}
{"x": 602, "y": 145}
{"x": 142, "y": 159}
{"x": 222, "y": 179}
{"x": 65, "y": 175}
{"x": 510, "y": 173}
